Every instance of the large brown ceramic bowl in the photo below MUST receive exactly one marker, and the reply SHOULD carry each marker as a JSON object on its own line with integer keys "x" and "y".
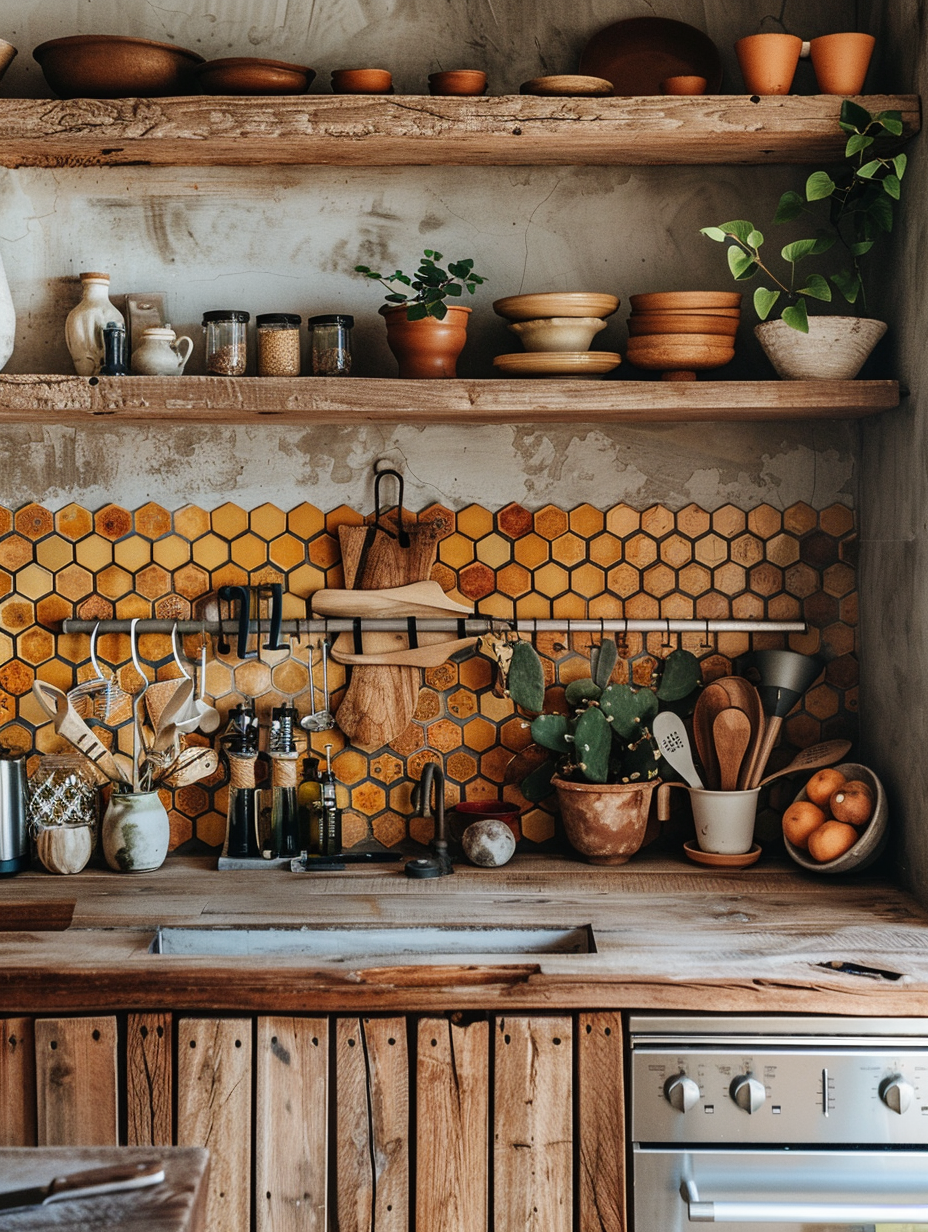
{"x": 110, "y": 66}
{"x": 250, "y": 75}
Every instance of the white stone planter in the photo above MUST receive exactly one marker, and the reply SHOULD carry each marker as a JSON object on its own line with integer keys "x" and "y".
{"x": 834, "y": 349}
{"x": 136, "y": 832}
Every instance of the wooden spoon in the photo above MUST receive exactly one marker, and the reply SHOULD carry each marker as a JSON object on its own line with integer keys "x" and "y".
{"x": 744, "y": 695}
{"x": 711, "y": 702}
{"x": 731, "y": 734}
{"x": 812, "y": 758}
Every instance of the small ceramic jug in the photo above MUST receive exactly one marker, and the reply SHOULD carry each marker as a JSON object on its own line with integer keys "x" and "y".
{"x": 136, "y": 832}
{"x": 83, "y": 330}
{"x": 161, "y": 352}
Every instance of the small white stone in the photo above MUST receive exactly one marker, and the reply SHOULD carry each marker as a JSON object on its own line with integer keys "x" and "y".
{"x": 488, "y": 843}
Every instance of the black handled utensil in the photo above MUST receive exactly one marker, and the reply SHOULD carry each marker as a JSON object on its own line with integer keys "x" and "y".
{"x": 88, "y": 1184}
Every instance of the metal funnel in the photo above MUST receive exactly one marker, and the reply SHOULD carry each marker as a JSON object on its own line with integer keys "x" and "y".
{"x": 784, "y": 676}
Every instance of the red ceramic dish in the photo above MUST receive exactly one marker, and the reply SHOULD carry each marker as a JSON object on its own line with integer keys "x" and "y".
{"x": 250, "y": 75}
{"x": 638, "y": 54}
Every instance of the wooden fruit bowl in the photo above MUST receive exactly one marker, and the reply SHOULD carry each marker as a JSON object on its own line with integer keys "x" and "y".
{"x": 678, "y": 357}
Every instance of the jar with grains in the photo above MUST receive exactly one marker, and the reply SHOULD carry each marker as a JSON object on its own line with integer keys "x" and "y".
{"x": 278, "y": 335}
{"x": 226, "y": 341}
{"x": 331, "y": 343}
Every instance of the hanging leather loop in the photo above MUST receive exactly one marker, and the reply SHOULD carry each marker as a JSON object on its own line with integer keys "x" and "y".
{"x": 402, "y": 537}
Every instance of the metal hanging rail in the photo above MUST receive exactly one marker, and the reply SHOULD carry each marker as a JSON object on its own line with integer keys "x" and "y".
{"x": 470, "y": 625}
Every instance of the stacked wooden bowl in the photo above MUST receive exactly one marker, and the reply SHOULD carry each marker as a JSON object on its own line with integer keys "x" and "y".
{"x": 556, "y": 329}
{"x": 680, "y": 333}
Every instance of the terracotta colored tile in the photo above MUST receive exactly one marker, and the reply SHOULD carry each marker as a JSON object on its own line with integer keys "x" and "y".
{"x": 537, "y": 825}
{"x": 152, "y": 520}
{"x": 819, "y": 550}
{"x": 16, "y": 678}
{"x": 640, "y": 551}
{"x": 586, "y": 521}
{"x": 34, "y": 582}
{"x": 783, "y": 607}
{"x": 191, "y": 582}
{"x": 133, "y": 553}
{"x": 94, "y": 553}
{"x": 153, "y": 582}
{"x": 514, "y": 580}
{"x": 677, "y": 607}
{"x": 112, "y": 522}
{"x": 820, "y": 609}
{"x": 248, "y": 551}
{"x": 479, "y": 735}
{"x": 267, "y": 521}
{"x": 568, "y": 550}
{"x": 713, "y": 606}
{"x": 35, "y": 646}
{"x": 843, "y": 672}
{"x": 191, "y": 800}
{"x": 642, "y": 607}
{"x": 693, "y": 521}
{"x": 386, "y": 769}
{"x": 494, "y": 764}
{"x": 73, "y": 522}
{"x": 551, "y": 522}
{"x": 6, "y": 583}
{"x": 94, "y": 608}
{"x": 444, "y": 736}
{"x": 477, "y": 581}
{"x": 728, "y": 521}
{"x": 443, "y": 677}
{"x": 766, "y": 579}
{"x": 657, "y": 521}
{"x": 622, "y": 521}
{"x": 659, "y": 580}
{"x": 350, "y": 767}
{"x": 409, "y": 740}
{"x": 324, "y": 551}
{"x": 475, "y": 522}
{"x": 514, "y": 521}
{"x": 34, "y": 521}
{"x": 782, "y": 550}
{"x": 588, "y": 581}
{"x": 252, "y": 678}
{"x": 416, "y": 762}
{"x": 806, "y": 643}
{"x": 53, "y": 609}
{"x": 494, "y": 551}
{"x": 462, "y": 704}
{"x": 747, "y": 607}
{"x": 849, "y": 550}
{"x": 765, "y": 521}
{"x": 747, "y": 550}
{"x": 676, "y": 551}
{"x": 837, "y": 520}
{"x": 799, "y": 518}
{"x": 456, "y": 551}
{"x": 389, "y": 828}
{"x": 694, "y": 579}
{"x": 228, "y": 521}
{"x": 461, "y": 767}
{"x": 428, "y": 706}
{"x": 15, "y": 551}
{"x": 801, "y": 581}
{"x": 516, "y": 735}
{"x": 551, "y": 580}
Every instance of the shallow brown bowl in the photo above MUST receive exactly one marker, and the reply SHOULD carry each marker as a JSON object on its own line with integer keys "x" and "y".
{"x": 362, "y": 81}
{"x": 540, "y": 304}
{"x": 873, "y": 837}
{"x": 677, "y": 355}
{"x": 685, "y": 299}
{"x": 251, "y": 75}
{"x": 658, "y": 323}
{"x": 110, "y": 66}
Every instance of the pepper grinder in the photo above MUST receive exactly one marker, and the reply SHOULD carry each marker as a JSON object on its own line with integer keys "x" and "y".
{"x": 284, "y": 808}
{"x": 241, "y": 746}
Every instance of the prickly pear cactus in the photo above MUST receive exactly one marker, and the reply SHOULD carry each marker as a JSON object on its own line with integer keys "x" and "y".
{"x": 526, "y": 678}
{"x": 629, "y": 710}
{"x": 680, "y": 675}
{"x": 581, "y": 692}
{"x": 551, "y": 731}
{"x": 602, "y": 662}
{"x": 592, "y": 745}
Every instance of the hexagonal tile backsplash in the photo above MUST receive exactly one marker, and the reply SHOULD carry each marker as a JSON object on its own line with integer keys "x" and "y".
{"x": 584, "y": 562}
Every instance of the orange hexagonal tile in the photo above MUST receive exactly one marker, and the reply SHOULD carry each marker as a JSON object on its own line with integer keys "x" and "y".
{"x": 533, "y": 607}
{"x": 94, "y": 608}
{"x": 623, "y": 580}
{"x": 191, "y": 522}
{"x": 572, "y": 607}
{"x": 711, "y": 550}
{"x": 228, "y": 520}
{"x": 461, "y": 767}
{"x": 730, "y": 579}
{"x": 428, "y": 705}
{"x": 821, "y": 702}
{"x": 191, "y": 581}
{"x": 445, "y": 676}
{"x": 515, "y": 734}
{"x": 837, "y": 520}
{"x": 53, "y": 609}
{"x": 385, "y": 768}
{"x": 16, "y": 614}
{"x": 440, "y": 518}
{"x": 444, "y": 736}
{"x": 588, "y": 581}
{"x": 343, "y": 515}
{"x": 513, "y": 580}
{"x": 476, "y": 673}
{"x": 171, "y": 552}
{"x": 800, "y": 518}
{"x": 389, "y": 828}
{"x": 73, "y": 522}
{"x": 152, "y": 521}
{"x": 713, "y": 606}
{"x": 694, "y": 579}
{"x": 514, "y": 521}
{"x": 840, "y": 640}
{"x": 747, "y": 607}
{"x": 290, "y": 678}
{"x": 765, "y": 521}
{"x": 475, "y": 522}
{"x": 658, "y": 580}
{"x": 350, "y": 767}
{"x": 34, "y": 582}
{"x": 248, "y": 551}
{"x": 153, "y": 582}
{"x": 783, "y": 607}
{"x": 640, "y": 551}
{"x": 287, "y": 551}
{"x": 114, "y": 582}
{"x": 133, "y": 553}
{"x": 782, "y": 550}
{"x": 622, "y": 521}
{"x": 494, "y": 764}
{"x": 568, "y": 550}
{"x": 747, "y": 550}
{"x": 642, "y": 607}
{"x": 15, "y": 551}
{"x": 112, "y": 522}
{"x": 605, "y": 550}
{"x": 676, "y": 551}
{"x": 211, "y": 828}
{"x": 495, "y": 708}
{"x": 34, "y": 521}
{"x": 211, "y": 552}
{"x": 94, "y": 553}
{"x": 537, "y": 825}
{"x": 677, "y": 606}
{"x": 551, "y": 522}
{"x": 586, "y": 521}
{"x": 462, "y": 704}
{"x": 267, "y": 521}
{"x": 74, "y": 582}
{"x": 551, "y": 580}
{"x": 801, "y": 580}
{"x": 765, "y": 579}
{"x": 35, "y": 646}
{"x": 305, "y": 580}
{"x": 252, "y": 678}
{"x": 16, "y": 678}
{"x": 6, "y": 583}
{"x": 838, "y": 580}
{"x": 54, "y": 553}
{"x": 657, "y": 521}
{"x": 409, "y": 740}
{"x": 456, "y": 551}
{"x": 729, "y": 521}
{"x": 305, "y": 521}
{"x": 324, "y": 551}
{"x": 494, "y": 551}
{"x": 693, "y": 521}
{"x": 476, "y": 581}
{"x": 498, "y": 606}
{"x": 479, "y": 734}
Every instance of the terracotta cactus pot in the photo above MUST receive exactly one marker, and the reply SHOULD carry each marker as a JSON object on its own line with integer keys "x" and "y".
{"x": 841, "y": 62}
{"x": 426, "y": 349}
{"x": 768, "y": 62}
{"x": 605, "y": 822}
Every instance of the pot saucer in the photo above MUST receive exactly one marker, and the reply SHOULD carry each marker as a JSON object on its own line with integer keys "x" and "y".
{"x": 715, "y": 860}
{"x": 558, "y": 363}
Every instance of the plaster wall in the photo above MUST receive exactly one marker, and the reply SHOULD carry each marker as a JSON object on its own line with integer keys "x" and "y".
{"x": 286, "y": 239}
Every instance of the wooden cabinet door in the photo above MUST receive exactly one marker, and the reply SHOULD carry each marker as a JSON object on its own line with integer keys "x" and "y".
{"x": 76, "y": 1082}
{"x": 17, "y": 1083}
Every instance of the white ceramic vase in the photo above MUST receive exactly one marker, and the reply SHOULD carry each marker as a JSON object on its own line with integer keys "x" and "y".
{"x": 7, "y": 320}
{"x": 136, "y": 832}
{"x": 834, "y": 349}
{"x": 83, "y": 330}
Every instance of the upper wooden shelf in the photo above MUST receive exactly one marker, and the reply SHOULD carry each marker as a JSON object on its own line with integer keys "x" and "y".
{"x": 410, "y": 130}
{"x": 355, "y": 400}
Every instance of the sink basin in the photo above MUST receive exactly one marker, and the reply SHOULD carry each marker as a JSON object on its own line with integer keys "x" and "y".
{"x": 350, "y": 944}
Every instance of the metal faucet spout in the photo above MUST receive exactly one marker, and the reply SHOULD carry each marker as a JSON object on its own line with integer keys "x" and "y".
{"x": 429, "y": 798}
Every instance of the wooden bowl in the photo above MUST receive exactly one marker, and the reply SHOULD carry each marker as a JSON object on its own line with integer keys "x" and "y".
{"x": 556, "y": 304}
{"x": 251, "y": 75}
{"x": 669, "y": 323}
{"x": 558, "y": 363}
{"x": 110, "y": 66}
{"x": 675, "y": 300}
{"x": 468, "y": 82}
{"x": 362, "y": 81}
{"x": 678, "y": 357}
{"x": 873, "y": 839}
{"x": 567, "y": 85}
{"x": 643, "y": 314}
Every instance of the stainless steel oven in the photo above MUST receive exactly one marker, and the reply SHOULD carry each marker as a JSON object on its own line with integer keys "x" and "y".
{"x": 789, "y": 1122}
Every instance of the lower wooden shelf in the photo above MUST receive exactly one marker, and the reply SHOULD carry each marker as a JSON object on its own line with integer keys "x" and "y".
{"x": 353, "y": 400}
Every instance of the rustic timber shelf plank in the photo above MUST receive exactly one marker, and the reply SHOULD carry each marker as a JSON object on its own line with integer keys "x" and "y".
{"x": 411, "y": 130}
{"x": 334, "y": 400}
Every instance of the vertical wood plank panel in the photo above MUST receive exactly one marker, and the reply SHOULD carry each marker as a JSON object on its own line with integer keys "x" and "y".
{"x": 452, "y": 1132}
{"x": 149, "y": 1080}
{"x": 372, "y": 1138}
{"x": 17, "y": 1082}
{"x": 533, "y": 1125}
{"x": 76, "y": 1081}
{"x": 600, "y": 1123}
{"x": 214, "y": 1110}
{"x": 292, "y": 1065}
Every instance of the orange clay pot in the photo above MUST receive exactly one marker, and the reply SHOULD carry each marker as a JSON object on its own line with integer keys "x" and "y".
{"x": 684, "y": 85}
{"x": 605, "y": 822}
{"x": 841, "y": 62}
{"x": 426, "y": 349}
{"x": 362, "y": 81}
{"x": 463, "y": 81}
{"x": 768, "y": 62}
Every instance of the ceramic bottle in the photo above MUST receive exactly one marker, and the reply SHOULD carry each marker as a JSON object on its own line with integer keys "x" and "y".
{"x": 161, "y": 352}
{"x": 7, "y": 320}
{"x": 83, "y": 330}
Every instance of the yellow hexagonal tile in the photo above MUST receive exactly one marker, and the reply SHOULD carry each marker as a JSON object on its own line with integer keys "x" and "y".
{"x": 343, "y": 515}
{"x": 6, "y": 583}
{"x": 479, "y": 734}
{"x": 588, "y": 581}
{"x": 537, "y": 825}
{"x": 551, "y": 522}
{"x": 54, "y": 553}
{"x": 573, "y": 607}
{"x": 444, "y": 736}
{"x": 114, "y": 582}
{"x": 494, "y": 551}
{"x": 248, "y": 551}
{"x": 531, "y": 551}
{"x": 133, "y": 553}
{"x": 533, "y": 607}
{"x": 94, "y": 553}
{"x": 73, "y": 522}
{"x": 642, "y": 607}
{"x": 34, "y": 582}
{"x": 657, "y": 521}
{"x": 127, "y": 608}
{"x": 267, "y": 521}
{"x": 369, "y": 798}
{"x": 586, "y": 521}
{"x": 475, "y": 522}
{"x": 568, "y": 550}
{"x": 52, "y": 610}
{"x": 325, "y": 551}
{"x": 800, "y": 518}
{"x": 623, "y": 579}
{"x": 350, "y": 767}
{"x": 35, "y": 646}
{"x": 305, "y": 580}
{"x": 34, "y": 521}
{"x": 228, "y": 520}
{"x": 605, "y": 550}
{"x": 152, "y": 521}
{"x": 513, "y": 580}
{"x": 622, "y": 521}
{"x": 15, "y": 551}
{"x": 210, "y": 552}
{"x": 305, "y": 521}
{"x": 477, "y": 672}
{"x": 456, "y": 551}
{"x": 191, "y": 522}
{"x": 287, "y": 551}
{"x": 551, "y": 580}
{"x": 171, "y": 552}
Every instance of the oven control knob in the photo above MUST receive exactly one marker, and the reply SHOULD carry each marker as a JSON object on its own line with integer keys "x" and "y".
{"x": 748, "y": 1093}
{"x": 681, "y": 1092}
{"x": 896, "y": 1093}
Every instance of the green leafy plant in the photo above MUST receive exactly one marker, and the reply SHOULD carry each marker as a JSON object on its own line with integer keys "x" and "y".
{"x": 431, "y": 285}
{"x": 605, "y": 736}
{"x": 854, "y": 208}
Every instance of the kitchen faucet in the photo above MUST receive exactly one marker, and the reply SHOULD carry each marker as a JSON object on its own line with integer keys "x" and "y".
{"x": 432, "y": 787}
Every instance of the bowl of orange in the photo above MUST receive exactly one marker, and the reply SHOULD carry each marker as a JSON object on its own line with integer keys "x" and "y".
{"x": 838, "y": 823}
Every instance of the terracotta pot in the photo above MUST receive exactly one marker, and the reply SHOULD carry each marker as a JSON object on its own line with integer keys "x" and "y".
{"x": 466, "y": 81}
{"x": 362, "y": 81}
{"x": 684, "y": 85}
{"x": 605, "y": 822}
{"x": 426, "y": 349}
{"x": 768, "y": 62}
{"x": 841, "y": 62}
{"x": 834, "y": 349}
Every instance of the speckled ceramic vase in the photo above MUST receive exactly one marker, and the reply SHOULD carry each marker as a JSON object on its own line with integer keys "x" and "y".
{"x": 136, "y": 832}
{"x": 7, "y": 320}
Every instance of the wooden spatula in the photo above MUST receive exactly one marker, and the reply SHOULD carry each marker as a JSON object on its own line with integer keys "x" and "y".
{"x": 731, "y": 734}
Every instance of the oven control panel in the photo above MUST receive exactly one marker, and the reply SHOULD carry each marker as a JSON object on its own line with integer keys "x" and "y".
{"x": 802, "y": 1094}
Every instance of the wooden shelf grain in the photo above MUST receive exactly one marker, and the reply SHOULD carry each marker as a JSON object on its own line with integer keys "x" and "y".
{"x": 351, "y": 401}
{"x": 412, "y": 130}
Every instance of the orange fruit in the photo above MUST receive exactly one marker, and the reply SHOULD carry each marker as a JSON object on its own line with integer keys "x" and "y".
{"x": 799, "y": 820}
{"x": 821, "y": 785}
{"x": 853, "y": 803}
{"x": 831, "y": 840}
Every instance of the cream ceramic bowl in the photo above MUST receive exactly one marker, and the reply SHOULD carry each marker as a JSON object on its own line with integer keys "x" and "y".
{"x": 558, "y": 333}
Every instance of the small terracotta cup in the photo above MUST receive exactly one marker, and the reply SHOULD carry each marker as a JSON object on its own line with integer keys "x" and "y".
{"x": 469, "y": 811}
{"x": 684, "y": 85}
{"x": 469, "y": 81}
{"x": 768, "y": 62}
{"x": 841, "y": 62}
{"x": 362, "y": 81}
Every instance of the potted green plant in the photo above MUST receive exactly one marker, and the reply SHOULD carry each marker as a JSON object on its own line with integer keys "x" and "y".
{"x": 425, "y": 333}
{"x": 852, "y": 210}
{"x": 602, "y": 759}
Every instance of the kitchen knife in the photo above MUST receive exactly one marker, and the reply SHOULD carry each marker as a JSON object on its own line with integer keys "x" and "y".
{"x": 95, "y": 1181}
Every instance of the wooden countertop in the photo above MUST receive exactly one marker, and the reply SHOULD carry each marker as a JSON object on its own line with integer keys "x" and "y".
{"x": 668, "y": 935}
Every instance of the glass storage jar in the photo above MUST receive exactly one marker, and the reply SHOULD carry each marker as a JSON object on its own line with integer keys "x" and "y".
{"x": 63, "y": 813}
{"x": 278, "y": 337}
{"x": 226, "y": 341}
{"x": 331, "y": 344}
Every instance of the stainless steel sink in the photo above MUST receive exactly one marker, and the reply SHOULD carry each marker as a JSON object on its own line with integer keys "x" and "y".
{"x": 351, "y": 944}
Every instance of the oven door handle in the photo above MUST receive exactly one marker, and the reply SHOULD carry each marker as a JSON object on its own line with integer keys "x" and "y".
{"x": 701, "y": 1210}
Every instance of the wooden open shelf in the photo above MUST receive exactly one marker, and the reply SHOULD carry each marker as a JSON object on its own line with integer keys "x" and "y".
{"x": 411, "y": 130}
{"x": 355, "y": 400}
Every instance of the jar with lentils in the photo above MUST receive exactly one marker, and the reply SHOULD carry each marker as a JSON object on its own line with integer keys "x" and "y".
{"x": 331, "y": 343}
{"x": 278, "y": 335}
{"x": 226, "y": 341}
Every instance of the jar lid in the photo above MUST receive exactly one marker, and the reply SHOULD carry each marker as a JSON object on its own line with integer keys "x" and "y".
{"x": 227, "y": 314}
{"x": 278, "y": 318}
{"x": 335, "y": 319}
